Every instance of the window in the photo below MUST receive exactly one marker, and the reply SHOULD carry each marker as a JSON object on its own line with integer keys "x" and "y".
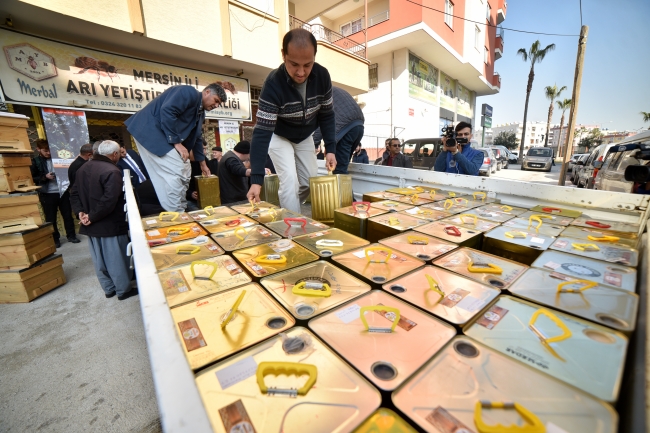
{"x": 449, "y": 12}
{"x": 489, "y": 12}
{"x": 408, "y": 148}
{"x": 477, "y": 37}
{"x": 485, "y": 55}
{"x": 373, "y": 77}
{"x": 351, "y": 27}
{"x": 427, "y": 150}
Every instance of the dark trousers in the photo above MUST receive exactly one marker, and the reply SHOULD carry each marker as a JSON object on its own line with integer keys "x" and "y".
{"x": 51, "y": 203}
{"x": 345, "y": 147}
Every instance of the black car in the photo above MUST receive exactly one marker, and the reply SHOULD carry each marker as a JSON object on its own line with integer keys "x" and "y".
{"x": 422, "y": 151}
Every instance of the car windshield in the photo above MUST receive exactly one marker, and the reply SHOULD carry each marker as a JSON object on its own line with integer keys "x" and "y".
{"x": 539, "y": 152}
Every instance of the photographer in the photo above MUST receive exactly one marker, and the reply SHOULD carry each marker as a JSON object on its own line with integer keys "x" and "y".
{"x": 457, "y": 156}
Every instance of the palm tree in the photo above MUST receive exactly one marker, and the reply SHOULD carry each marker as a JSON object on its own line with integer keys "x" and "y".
{"x": 535, "y": 55}
{"x": 551, "y": 93}
{"x": 646, "y": 116}
{"x": 562, "y": 105}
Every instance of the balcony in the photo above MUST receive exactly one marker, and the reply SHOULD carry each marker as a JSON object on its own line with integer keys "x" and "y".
{"x": 501, "y": 12}
{"x": 498, "y": 50}
{"x": 378, "y": 18}
{"x": 323, "y": 34}
{"x": 496, "y": 80}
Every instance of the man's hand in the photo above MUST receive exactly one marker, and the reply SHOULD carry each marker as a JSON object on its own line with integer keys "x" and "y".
{"x": 182, "y": 151}
{"x": 248, "y": 172}
{"x": 330, "y": 161}
{"x": 267, "y": 171}
{"x": 195, "y": 195}
{"x": 83, "y": 218}
{"x": 50, "y": 176}
{"x": 254, "y": 193}
{"x": 204, "y": 168}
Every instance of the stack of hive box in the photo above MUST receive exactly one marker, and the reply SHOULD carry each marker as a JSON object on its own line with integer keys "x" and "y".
{"x": 28, "y": 265}
{"x": 458, "y": 305}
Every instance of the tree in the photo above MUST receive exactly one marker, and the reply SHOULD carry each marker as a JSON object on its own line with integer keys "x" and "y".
{"x": 646, "y": 116}
{"x": 535, "y": 55}
{"x": 592, "y": 138}
{"x": 507, "y": 139}
{"x": 562, "y": 105}
{"x": 551, "y": 93}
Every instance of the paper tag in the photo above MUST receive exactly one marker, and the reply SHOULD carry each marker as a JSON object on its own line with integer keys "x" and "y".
{"x": 185, "y": 217}
{"x": 192, "y": 336}
{"x": 560, "y": 244}
{"x": 454, "y": 298}
{"x": 199, "y": 216}
{"x": 362, "y": 254}
{"x": 237, "y": 372}
{"x": 235, "y": 418}
{"x": 552, "y": 428}
{"x": 552, "y": 265}
{"x": 537, "y": 240}
{"x": 413, "y": 211}
{"x": 232, "y": 267}
{"x": 445, "y": 422}
{"x": 404, "y": 323}
{"x": 562, "y": 277}
{"x": 317, "y": 234}
{"x": 182, "y": 289}
{"x": 492, "y": 317}
{"x": 614, "y": 279}
{"x": 321, "y": 225}
{"x": 348, "y": 314}
{"x": 264, "y": 232}
{"x": 259, "y": 270}
{"x": 153, "y": 233}
{"x": 471, "y": 304}
{"x": 151, "y": 222}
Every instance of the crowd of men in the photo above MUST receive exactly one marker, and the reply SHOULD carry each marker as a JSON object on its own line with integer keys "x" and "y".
{"x": 296, "y": 113}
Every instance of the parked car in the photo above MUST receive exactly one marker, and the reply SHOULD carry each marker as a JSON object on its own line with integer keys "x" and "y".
{"x": 502, "y": 157}
{"x": 632, "y": 151}
{"x": 575, "y": 157}
{"x": 489, "y": 162}
{"x": 422, "y": 151}
{"x": 588, "y": 173}
{"x": 510, "y": 158}
{"x": 576, "y": 167}
{"x": 538, "y": 158}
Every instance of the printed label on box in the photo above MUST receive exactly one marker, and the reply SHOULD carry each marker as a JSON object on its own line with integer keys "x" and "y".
{"x": 560, "y": 244}
{"x": 404, "y": 323}
{"x": 614, "y": 279}
{"x": 454, "y": 298}
{"x": 552, "y": 265}
{"x": 151, "y": 222}
{"x": 235, "y": 418}
{"x": 537, "y": 240}
{"x": 492, "y": 317}
{"x": 318, "y": 234}
{"x": 471, "y": 304}
{"x": 446, "y": 422}
{"x": 192, "y": 336}
{"x": 281, "y": 245}
{"x": 255, "y": 267}
{"x": 235, "y": 373}
{"x": 153, "y": 233}
{"x": 174, "y": 282}
{"x": 348, "y": 314}
{"x": 232, "y": 267}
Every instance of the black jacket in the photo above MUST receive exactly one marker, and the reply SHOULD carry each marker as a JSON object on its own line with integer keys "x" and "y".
{"x": 72, "y": 170}
{"x": 400, "y": 160}
{"x": 361, "y": 157}
{"x": 123, "y": 165}
{"x": 283, "y": 112}
{"x": 233, "y": 182}
{"x": 97, "y": 191}
{"x": 213, "y": 165}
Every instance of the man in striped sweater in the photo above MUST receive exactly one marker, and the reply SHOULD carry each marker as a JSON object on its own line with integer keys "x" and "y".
{"x": 295, "y": 100}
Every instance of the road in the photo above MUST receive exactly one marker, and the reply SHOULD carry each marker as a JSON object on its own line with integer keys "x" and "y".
{"x": 514, "y": 172}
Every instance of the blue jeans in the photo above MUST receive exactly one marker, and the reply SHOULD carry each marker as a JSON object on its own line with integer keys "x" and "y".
{"x": 345, "y": 147}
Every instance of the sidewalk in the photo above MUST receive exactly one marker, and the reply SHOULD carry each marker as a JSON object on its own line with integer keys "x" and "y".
{"x": 74, "y": 361}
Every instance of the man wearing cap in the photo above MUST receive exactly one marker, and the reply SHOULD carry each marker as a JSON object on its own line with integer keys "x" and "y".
{"x": 213, "y": 164}
{"x": 233, "y": 176}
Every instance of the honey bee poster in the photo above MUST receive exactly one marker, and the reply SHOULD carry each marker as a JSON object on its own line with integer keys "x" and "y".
{"x": 66, "y": 132}
{"x": 38, "y": 71}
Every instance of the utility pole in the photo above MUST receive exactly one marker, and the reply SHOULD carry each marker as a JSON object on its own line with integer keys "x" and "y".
{"x": 365, "y": 30}
{"x": 573, "y": 113}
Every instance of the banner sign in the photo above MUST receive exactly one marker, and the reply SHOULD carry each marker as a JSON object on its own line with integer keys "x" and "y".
{"x": 447, "y": 92}
{"x": 66, "y": 132}
{"x": 464, "y": 104}
{"x": 228, "y": 134}
{"x": 38, "y": 71}
{"x": 423, "y": 80}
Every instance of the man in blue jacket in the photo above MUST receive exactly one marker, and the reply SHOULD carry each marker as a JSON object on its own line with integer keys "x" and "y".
{"x": 295, "y": 100}
{"x": 462, "y": 158}
{"x": 166, "y": 130}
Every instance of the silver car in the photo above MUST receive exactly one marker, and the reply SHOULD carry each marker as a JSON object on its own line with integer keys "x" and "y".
{"x": 489, "y": 162}
{"x": 538, "y": 158}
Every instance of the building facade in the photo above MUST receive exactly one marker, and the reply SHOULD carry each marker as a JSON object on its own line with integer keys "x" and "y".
{"x": 426, "y": 67}
{"x": 559, "y": 138}
{"x": 535, "y": 132}
{"x": 486, "y": 140}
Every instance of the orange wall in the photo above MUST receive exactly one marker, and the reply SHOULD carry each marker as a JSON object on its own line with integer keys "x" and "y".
{"x": 490, "y": 43}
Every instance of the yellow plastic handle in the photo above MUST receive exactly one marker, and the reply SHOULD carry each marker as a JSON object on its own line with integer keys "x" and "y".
{"x": 390, "y": 311}
{"x": 213, "y": 265}
{"x": 209, "y": 210}
{"x": 388, "y": 252}
{"x": 566, "y": 332}
{"x": 419, "y": 189}
{"x": 537, "y": 219}
{"x": 238, "y": 230}
{"x": 481, "y": 194}
{"x": 451, "y": 194}
{"x": 178, "y": 231}
{"x": 506, "y": 208}
{"x": 541, "y": 216}
{"x": 393, "y": 221}
{"x": 603, "y": 238}
{"x": 432, "y": 193}
{"x": 233, "y": 310}
{"x": 414, "y": 198}
{"x": 312, "y": 288}
{"x": 586, "y": 247}
{"x": 448, "y": 204}
{"x": 488, "y": 268}
{"x": 533, "y": 423}
{"x": 271, "y": 259}
{"x": 434, "y": 286}
{"x": 515, "y": 234}
{"x": 468, "y": 215}
{"x": 187, "y": 249}
{"x": 174, "y": 215}
{"x": 286, "y": 368}
{"x": 417, "y": 240}
{"x": 587, "y": 285}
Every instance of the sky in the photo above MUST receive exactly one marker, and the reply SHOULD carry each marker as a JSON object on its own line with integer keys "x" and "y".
{"x": 616, "y": 77}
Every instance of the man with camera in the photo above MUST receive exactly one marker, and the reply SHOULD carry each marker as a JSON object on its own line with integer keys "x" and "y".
{"x": 458, "y": 156}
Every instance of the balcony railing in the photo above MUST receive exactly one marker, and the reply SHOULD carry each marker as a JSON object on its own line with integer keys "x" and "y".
{"x": 322, "y": 33}
{"x": 500, "y": 32}
{"x": 379, "y": 18}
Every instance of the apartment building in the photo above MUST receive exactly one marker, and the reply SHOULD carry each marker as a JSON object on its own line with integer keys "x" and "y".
{"x": 535, "y": 132}
{"x": 483, "y": 140}
{"x": 427, "y": 64}
{"x": 559, "y": 138}
{"x": 108, "y": 59}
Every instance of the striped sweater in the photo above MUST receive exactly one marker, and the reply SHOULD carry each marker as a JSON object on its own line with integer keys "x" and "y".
{"x": 281, "y": 111}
